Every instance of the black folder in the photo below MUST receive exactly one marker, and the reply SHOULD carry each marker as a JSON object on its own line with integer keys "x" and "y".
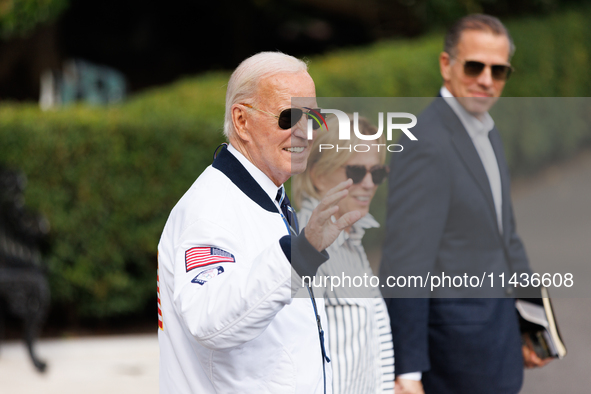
{"x": 538, "y": 326}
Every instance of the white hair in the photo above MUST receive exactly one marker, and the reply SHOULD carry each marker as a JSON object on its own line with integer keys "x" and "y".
{"x": 244, "y": 81}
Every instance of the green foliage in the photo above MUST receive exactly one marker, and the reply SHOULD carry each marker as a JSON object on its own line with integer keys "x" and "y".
{"x": 445, "y": 12}
{"x": 401, "y": 68}
{"x": 552, "y": 60}
{"x": 18, "y": 17}
{"x": 552, "y": 57}
{"x": 107, "y": 178}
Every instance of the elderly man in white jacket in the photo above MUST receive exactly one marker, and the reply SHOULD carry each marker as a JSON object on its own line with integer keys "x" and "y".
{"x": 230, "y": 256}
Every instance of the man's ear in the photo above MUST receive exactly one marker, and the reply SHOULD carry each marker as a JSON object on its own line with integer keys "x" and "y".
{"x": 445, "y": 66}
{"x": 240, "y": 121}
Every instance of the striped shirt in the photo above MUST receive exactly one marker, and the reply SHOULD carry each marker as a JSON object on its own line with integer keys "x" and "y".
{"x": 359, "y": 333}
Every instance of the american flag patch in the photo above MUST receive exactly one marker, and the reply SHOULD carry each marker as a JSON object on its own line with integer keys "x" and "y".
{"x": 202, "y": 256}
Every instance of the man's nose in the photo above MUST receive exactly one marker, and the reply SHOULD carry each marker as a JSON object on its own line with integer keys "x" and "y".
{"x": 485, "y": 78}
{"x": 300, "y": 129}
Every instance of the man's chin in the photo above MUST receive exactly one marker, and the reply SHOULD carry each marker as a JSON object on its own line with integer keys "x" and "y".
{"x": 299, "y": 161}
{"x": 298, "y": 168}
{"x": 478, "y": 105}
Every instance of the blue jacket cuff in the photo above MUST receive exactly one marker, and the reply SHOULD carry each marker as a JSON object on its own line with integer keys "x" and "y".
{"x": 304, "y": 258}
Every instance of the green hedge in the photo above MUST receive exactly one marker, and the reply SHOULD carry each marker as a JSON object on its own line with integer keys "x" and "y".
{"x": 108, "y": 177}
{"x": 552, "y": 60}
{"x": 19, "y": 17}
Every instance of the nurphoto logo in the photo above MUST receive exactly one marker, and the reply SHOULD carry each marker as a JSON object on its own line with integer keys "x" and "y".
{"x": 345, "y": 129}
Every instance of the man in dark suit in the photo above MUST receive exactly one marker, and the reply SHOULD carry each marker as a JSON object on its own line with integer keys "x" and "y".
{"x": 449, "y": 211}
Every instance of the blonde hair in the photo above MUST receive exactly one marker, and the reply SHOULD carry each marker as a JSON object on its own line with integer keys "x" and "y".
{"x": 329, "y": 160}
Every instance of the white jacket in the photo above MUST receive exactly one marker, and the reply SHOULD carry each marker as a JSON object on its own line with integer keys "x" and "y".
{"x": 233, "y": 326}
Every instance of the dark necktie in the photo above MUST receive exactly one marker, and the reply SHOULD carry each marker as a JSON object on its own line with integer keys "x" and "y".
{"x": 288, "y": 211}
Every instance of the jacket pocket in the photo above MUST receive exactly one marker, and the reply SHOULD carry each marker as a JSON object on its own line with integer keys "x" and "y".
{"x": 254, "y": 368}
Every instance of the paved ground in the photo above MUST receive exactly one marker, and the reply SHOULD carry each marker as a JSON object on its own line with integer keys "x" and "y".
{"x": 554, "y": 219}
{"x": 95, "y": 365}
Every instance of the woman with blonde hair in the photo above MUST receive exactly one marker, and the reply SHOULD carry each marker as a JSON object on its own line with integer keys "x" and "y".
{"x": 359, "y": 333}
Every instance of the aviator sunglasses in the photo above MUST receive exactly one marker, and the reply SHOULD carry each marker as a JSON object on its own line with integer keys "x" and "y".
{"x": 499, "y": 72}
{"x": 291, "y": 116}
{"x": 358, "y": 172}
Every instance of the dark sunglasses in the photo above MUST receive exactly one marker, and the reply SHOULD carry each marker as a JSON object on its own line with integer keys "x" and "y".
{"x": 357, "y": 173}
{"x": 500, "y": 72}
{"x": 291, "y": 116}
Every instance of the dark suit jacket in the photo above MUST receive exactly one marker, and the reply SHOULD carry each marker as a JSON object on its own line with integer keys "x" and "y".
{"x": 441, "y": 218}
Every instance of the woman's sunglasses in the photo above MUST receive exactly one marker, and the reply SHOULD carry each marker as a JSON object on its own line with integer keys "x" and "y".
{"x": 357, "y": 173}
{"x": 291, "y": 116}
{"x": 500, "y": 72}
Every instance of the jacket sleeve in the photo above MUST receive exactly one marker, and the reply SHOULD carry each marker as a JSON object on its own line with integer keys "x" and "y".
{"x": 237, "y": 304}
{"x": 418, "y": 204}
{"x": 517, "y": 255}
{"x": 243, "y": 297}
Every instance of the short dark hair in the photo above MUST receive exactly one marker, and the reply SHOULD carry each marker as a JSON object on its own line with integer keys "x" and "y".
{"x": 480, "y": 22}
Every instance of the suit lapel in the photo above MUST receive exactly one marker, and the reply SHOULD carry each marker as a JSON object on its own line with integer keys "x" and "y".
{"x": 467, "y": 152}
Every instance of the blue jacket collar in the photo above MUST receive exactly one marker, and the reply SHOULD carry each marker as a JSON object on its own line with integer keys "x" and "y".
{"x": 231, "y": 167}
